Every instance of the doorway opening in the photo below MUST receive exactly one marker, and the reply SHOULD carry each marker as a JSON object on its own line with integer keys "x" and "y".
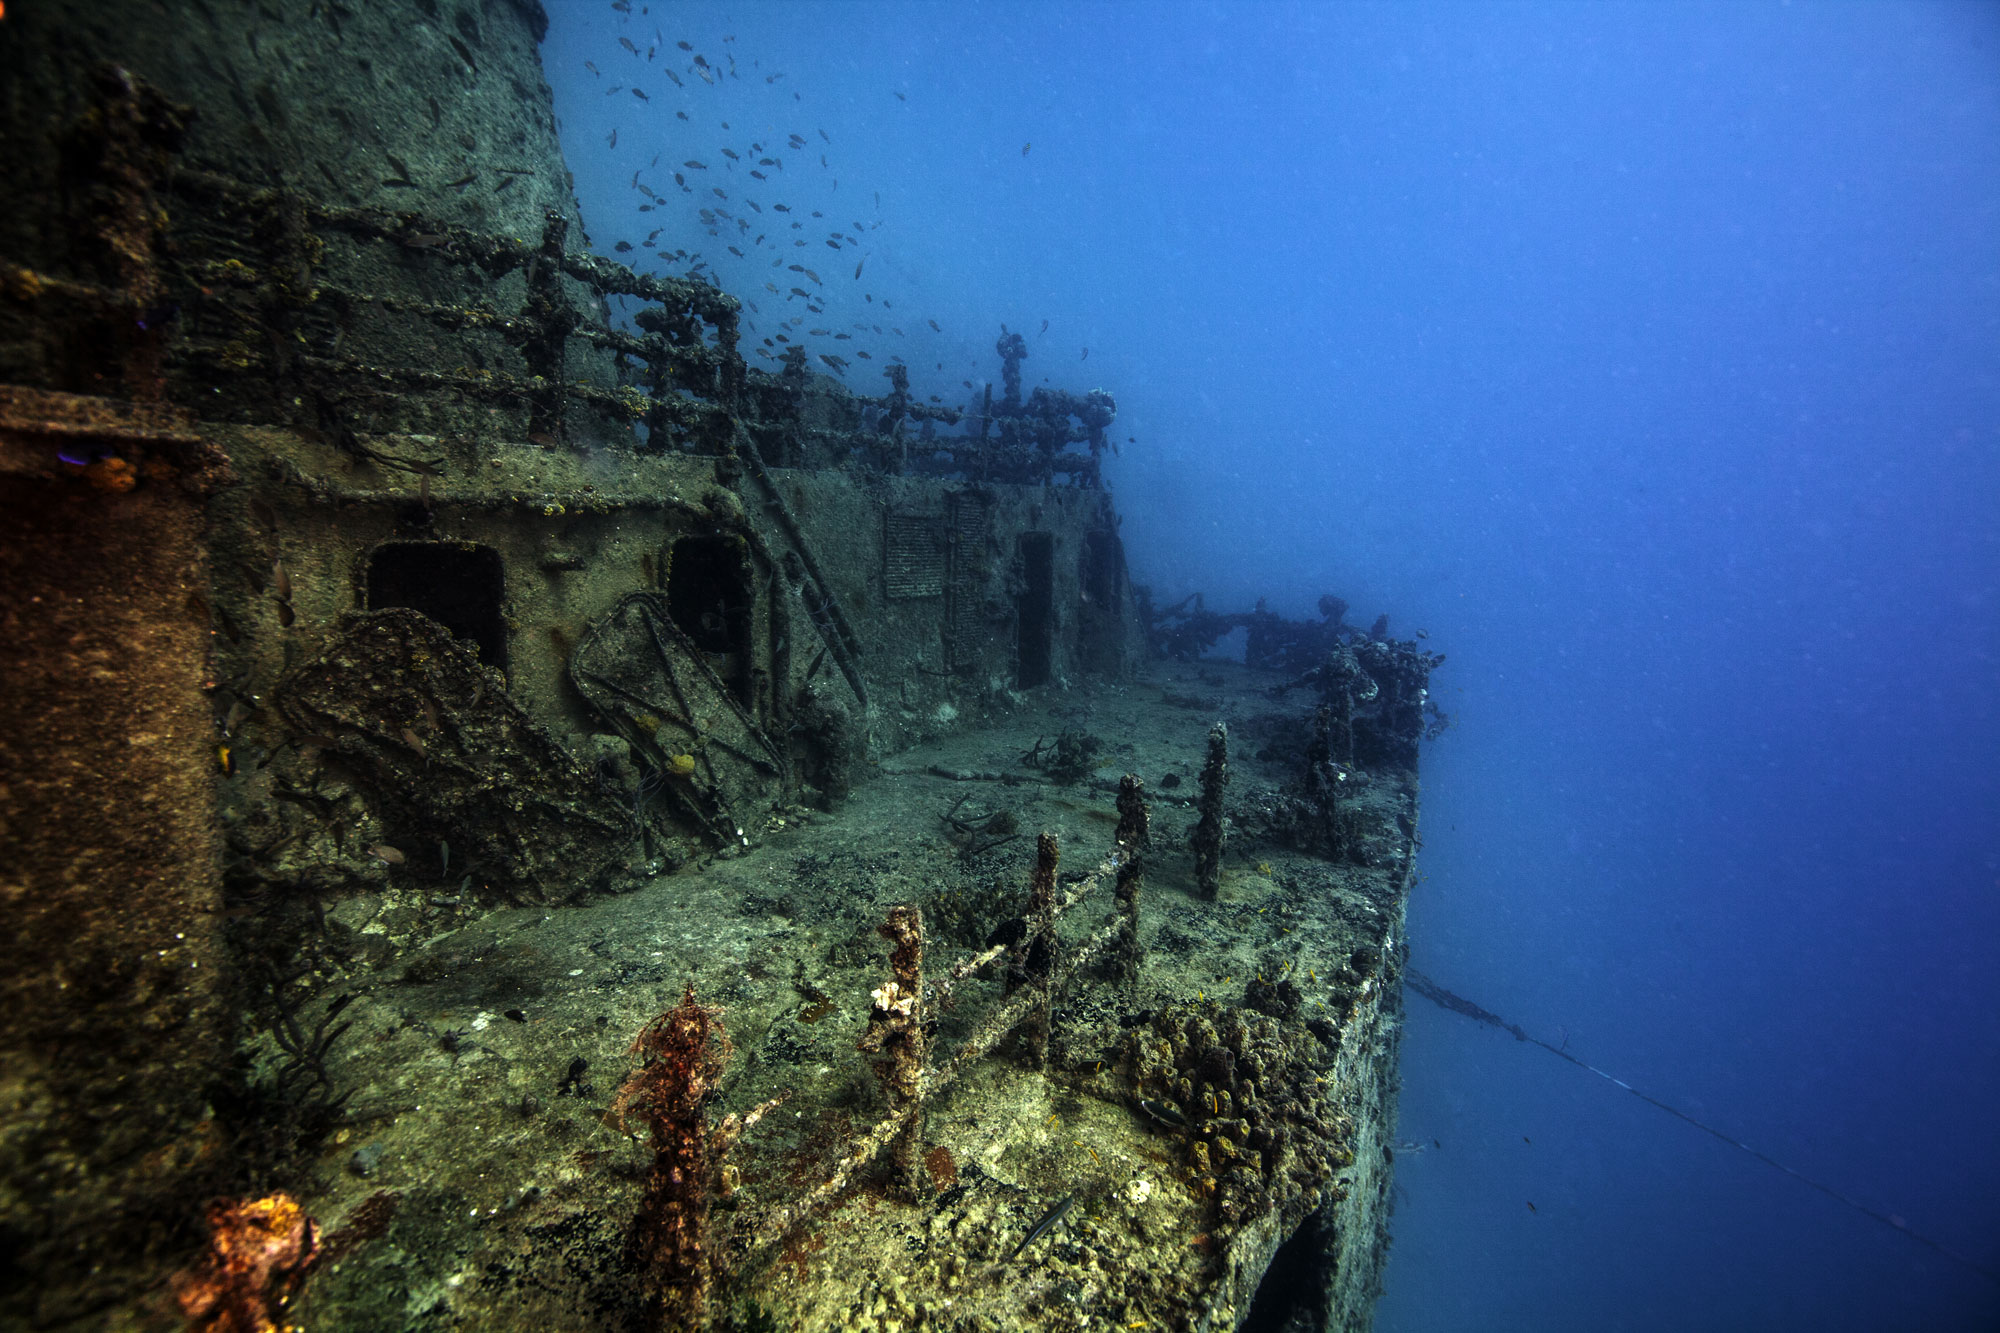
{"x": 1101, "y": 583}
{"x": 709, "y": 597}
{"x": 460, "y": 585}
{"x": 1035, "y": 610}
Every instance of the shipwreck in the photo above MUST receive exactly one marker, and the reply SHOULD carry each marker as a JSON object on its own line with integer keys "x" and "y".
{"x": 518, "y": 818}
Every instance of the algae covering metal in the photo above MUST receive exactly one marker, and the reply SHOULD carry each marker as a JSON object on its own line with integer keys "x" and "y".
{"x": 461, "y": 759}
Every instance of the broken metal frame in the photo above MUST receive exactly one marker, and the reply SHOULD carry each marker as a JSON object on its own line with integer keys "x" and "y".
{"x": 620, "y": 706}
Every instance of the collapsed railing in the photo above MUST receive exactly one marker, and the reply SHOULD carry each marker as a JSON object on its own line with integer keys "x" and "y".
{"x": 1037, "y": 967}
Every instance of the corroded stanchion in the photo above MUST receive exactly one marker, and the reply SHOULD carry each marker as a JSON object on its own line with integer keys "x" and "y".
{"x": 896, "y": 1033}
{"x": 1208, "y": 833}
{"x": 1034, "y": 955}
{"x": 553, "y": 319}
{"x": 1134, "y": 831}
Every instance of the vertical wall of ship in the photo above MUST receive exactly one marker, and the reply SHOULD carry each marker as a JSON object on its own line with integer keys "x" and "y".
{"x": 109, "y": 750}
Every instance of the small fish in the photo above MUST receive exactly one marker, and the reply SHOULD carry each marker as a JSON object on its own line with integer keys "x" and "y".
{"x": 677, "y": 81}
{"x": 734, "y": 251}
{"x": 468, "y": 178}
{"x": 415, "y": 742}
{"x": 593, "y": 69}
{"x": 444, "y": 858}
{"x": 640, "y": 93}
{"x": 1024, "y": 149}
{"x": 515, "y": 1014}
{"x": 626, "y": 42}
{"x": 281, "y": 581}
{"x": 505, "y": 184}
{"x": 1085, "y": 356}
{"x": 731, "y": 154}
{"x": 685, "y": 46}
{"x": 857, "y": 268}
{"x": 1045, "y": 326}
{"x": 934, "y": 326}
{"x": 1163, "y": 1112}
{"x": 614, "y": 139}
{"x": 693, "y": 165}
{"x": 760, "y": 176}
{"x": 901, "y": 98}
{"x": 386, "y": 854}
{"x": 622, "y": 247}
{"x": 1049, "y": 1222}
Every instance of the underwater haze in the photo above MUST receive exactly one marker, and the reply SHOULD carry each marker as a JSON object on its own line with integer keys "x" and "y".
{"x": 1647, "y": 357}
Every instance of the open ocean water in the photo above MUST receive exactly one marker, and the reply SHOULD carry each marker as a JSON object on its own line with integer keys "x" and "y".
{"x": 1645, "y": 356}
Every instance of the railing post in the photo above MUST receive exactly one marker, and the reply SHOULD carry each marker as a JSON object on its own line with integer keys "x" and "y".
{"x": 1134, "y": 832}
{"x": 1034, "y": 957}
{"x": 896, "y": 1032}
{"x": 552, "y": 317}
{"x": 1208, "y": 833}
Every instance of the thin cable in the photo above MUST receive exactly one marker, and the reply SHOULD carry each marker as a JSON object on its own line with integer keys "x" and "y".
{"x": 1458, "y": 1004}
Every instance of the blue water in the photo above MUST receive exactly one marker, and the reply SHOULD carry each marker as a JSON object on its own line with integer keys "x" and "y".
{"x": 1646, "y": 356}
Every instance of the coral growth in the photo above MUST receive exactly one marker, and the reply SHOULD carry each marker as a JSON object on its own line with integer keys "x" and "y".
{"x": 1261, "y": 1135}
{"x": 896, "y": 1033}
{"x": 258, "y": 1252}
{"x": 681, "y": 1058}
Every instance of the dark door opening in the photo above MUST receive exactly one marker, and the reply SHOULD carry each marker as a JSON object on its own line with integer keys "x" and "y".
{"x": 709, "y": 597}
{"x": 1101, "y": 581}
{"x": 1035, "y": 610}
{"x": 458, "y": 584}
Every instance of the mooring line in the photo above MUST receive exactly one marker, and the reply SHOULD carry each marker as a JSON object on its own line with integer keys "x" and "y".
{"x": 1458, "y": 1004}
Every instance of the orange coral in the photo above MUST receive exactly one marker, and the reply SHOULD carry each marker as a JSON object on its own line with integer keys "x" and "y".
{"x": 258, "y": 1253}
{"x": 115, "y": 475}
